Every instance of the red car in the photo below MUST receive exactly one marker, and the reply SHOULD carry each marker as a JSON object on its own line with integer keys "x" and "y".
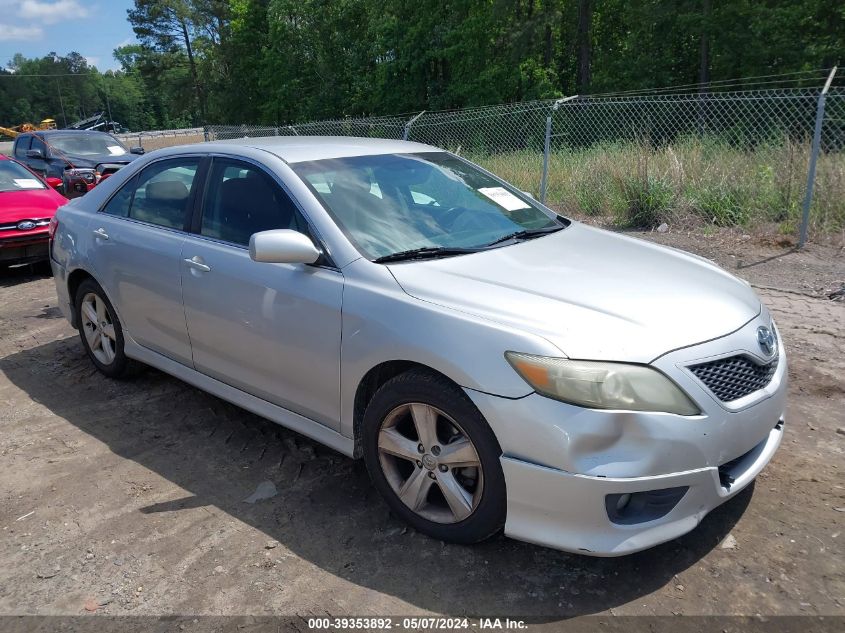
{"x": 27, "y": 204}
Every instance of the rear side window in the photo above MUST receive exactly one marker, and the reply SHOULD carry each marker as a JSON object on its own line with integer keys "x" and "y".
{"x": 242, "y": 200}
{"x": 160, "y": 194}
{"x": 122, "y": 200}
{"x": 22, "y": 145}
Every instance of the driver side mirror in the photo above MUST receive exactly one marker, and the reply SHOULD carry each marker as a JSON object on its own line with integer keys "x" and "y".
{"x": 136, "y": 150}
{"x": 282, "y": 246}
{"x": 35, "y": 153}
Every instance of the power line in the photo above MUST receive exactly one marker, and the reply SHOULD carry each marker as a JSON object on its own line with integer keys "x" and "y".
{"x": 89, "y": 74}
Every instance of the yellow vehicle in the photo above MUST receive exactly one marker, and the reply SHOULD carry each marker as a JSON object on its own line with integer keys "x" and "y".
{"x": 46, "y": 124}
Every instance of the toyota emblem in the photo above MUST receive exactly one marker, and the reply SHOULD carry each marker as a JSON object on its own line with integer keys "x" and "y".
{"x": 766, "y": 340}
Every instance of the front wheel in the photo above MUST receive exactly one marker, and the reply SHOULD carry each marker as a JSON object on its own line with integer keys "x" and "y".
{"x": 434, "y": 459}
{"x": 100, "y": 330}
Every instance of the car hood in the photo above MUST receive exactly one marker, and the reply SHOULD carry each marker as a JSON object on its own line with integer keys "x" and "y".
{"x": 592, "y": 293}
{"x": 100, "y": 159}
{"x": 29, "y": 205}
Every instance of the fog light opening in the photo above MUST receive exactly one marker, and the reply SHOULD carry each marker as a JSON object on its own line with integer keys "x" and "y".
{"x": 630, "y": 508}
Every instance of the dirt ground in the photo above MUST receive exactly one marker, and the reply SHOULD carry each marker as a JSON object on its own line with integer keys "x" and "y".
{"x": 129, "y": 497}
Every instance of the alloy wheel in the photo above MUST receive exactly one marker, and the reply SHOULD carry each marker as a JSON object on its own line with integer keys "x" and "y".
{"x": 98, "y": 328}
{"x": 430, "y": 463}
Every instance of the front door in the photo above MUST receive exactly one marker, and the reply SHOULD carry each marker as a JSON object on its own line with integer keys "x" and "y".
{"x": 271, "y": 330}
{"x": 138, "y": 239}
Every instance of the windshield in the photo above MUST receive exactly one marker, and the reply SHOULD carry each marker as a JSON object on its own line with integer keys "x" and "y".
{"x": 14, "y": 177}
{"x": 86, "y": 144}
{"x": 393, "y": 203}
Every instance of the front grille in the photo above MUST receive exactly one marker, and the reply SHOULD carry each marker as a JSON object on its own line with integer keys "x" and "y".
{"x": 734, "y": 377}
{"x": 39, "y": 223}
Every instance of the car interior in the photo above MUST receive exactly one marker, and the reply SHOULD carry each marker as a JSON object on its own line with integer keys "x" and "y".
{"x": 245, "y": 204}
{"x": 163, "y": 203}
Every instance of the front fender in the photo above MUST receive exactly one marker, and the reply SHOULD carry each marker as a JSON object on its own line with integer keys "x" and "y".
{"x": 382, "y": 323}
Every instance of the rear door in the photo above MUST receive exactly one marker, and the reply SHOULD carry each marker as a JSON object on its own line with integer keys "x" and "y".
{"x": 271, "y": 330}
{"x": 138, "y": 239}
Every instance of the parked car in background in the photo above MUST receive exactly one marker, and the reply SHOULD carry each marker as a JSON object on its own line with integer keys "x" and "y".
{"x": 495, "y": 365}
{"x": 79, "y": 159}
{"x": 27, "y": 204}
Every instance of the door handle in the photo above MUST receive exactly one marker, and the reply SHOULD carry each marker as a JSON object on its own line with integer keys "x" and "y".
{"x": 196, "y": 263}
{"x": 101, "y": 233}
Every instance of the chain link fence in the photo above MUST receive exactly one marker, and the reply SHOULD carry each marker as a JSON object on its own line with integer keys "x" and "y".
{"x": 156, "y": 139}
{"x": 735, "y": 158}
{"x": 373, "y": 127}
{"x": 725, "y": 159}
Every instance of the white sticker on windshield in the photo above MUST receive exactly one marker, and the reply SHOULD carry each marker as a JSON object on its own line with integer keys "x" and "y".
{"x": 504, "y": 198}
{"x": 116, "y": 150}
{"x": 27, "y": 183}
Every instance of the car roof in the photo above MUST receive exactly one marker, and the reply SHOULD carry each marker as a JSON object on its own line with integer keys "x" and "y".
{"x": 65, "y": 132}
{"x": 297, "y": 149}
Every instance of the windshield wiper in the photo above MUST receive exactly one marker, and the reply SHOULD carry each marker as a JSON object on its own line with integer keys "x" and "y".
{"x": 525, "y": 234}
{"x": 426, "y": 252}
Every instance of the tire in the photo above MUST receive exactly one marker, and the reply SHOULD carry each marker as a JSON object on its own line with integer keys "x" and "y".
{"x": 469, "y": 513}
{"x": 107, "y": 355}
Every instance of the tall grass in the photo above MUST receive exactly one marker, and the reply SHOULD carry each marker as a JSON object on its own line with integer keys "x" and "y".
{"x": 692, "y": 181}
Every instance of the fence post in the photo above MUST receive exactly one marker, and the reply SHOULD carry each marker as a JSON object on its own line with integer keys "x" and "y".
{"x": 814, "y": 155}
{"x": 205, "y": 133}
{"x": 408, "y": 125}
{"x": 546, "y": 149}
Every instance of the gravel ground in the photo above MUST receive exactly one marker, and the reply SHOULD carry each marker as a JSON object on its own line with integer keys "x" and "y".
{"x": 128, "y": 498}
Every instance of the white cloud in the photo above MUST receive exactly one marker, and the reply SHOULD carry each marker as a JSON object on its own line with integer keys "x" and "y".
{"x": 9, "y": 32}
{"x": 51, "y": 12}
{"x": 92, "y": 60}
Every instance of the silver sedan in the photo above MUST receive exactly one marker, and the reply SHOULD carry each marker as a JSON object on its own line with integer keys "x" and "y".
{"x": 497, "y": 366}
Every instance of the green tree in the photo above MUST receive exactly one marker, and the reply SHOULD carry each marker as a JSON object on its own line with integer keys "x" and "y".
{"x": 170, "y": 27}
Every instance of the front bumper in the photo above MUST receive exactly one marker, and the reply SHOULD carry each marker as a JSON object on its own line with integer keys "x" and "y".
{"x": 20, "y": 249}
{"x": 567, "y": 511}
{"x": 564, "y": 464}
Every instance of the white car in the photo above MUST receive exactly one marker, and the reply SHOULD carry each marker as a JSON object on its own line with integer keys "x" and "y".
{"x": 495, "y": 365}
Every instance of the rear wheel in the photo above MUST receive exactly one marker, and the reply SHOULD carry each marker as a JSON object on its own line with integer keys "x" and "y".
{"x": 434, "y": 459}
{"x": 100, "y": 330}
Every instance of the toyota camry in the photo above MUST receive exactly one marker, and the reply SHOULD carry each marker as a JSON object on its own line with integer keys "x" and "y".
{"x": 496, "y": 365}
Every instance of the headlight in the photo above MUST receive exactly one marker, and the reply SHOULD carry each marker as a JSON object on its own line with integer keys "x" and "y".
{"x": 600, "y": 385}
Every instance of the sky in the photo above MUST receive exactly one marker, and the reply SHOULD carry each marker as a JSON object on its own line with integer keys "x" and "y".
{"x": 92, "y": 28}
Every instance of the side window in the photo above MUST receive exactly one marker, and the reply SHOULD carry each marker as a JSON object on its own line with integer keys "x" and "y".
{"x": 162, "y": 193}
{"x": 37, "y": 143}
{"x": 242, "y": 200}
{"x": 122, "y": 200}
{"x": 22, "y": 145}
